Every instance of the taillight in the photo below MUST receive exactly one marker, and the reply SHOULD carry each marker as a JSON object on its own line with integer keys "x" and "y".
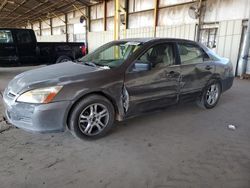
{"x": 83, "y": 49}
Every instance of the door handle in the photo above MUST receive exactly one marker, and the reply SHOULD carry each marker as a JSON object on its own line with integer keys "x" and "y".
{"x": 208, "y": 67}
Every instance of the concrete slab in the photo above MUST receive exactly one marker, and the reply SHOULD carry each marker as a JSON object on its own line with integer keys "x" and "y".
{"x": 183, "y": 146}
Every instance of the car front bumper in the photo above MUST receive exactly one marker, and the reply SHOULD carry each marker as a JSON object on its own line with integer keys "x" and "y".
{"x": 37, "y": 117}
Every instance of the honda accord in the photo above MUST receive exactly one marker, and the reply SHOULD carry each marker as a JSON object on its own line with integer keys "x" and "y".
{"x": 118, "y": 80}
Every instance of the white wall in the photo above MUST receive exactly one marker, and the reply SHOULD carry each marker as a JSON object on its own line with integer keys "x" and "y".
{"x": 221, "y": 10}
{"x": 229, "y": 38}
{"x": 185, "y": 31}
{"x": 96, "y": 39}
{"x": 177, "y": 15}
{"x": 53, "y": 38}
{"x": 174, "y": 21}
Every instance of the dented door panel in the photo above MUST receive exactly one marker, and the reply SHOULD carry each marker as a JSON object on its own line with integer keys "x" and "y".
{"x": 152, "y": 89}
{"x": 196, "y": 76}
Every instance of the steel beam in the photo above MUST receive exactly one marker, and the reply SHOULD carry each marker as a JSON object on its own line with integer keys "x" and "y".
{"x": 156, "y": 11}
{"x": 180, "y": 4}
{"x": 4, "y": 3}
{"x": 26, "y": 12}
{"x": 19, "y": 5}
{"x": 44, "y": 21}
{"x": 51, "y": 26}
{"x": 78, "y": 9}
{"x": 199, "y": 21}
{"x": 66, "y": 27}
{"x": 127, "y": 13}
{"x": 105, "y": 15}
{"x": 85, "y": 3}
{"x": 117, "y": 20}
{"x": 243, "y": 61}
{"x": 40, "y": 28}
{"x": 64, "y": 21}
{"x": 88, "y": 19}
{"x": 42, "y": 10}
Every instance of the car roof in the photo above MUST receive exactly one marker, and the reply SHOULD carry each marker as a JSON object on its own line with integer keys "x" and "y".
{"x": 144, "y": 40}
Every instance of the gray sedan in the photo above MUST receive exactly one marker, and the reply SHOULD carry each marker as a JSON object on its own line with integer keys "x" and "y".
{"x": 118, "y": 80}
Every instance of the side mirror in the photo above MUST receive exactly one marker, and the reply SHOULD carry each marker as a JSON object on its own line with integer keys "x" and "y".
{"x": 141, "y": 66}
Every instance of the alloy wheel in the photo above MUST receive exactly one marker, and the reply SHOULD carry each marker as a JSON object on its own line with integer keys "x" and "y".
{"x": 93, "y": 119}
{"x": 212, "y": 94}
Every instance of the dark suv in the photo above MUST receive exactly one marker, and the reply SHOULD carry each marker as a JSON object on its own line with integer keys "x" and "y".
{"x": 118, "y": 80}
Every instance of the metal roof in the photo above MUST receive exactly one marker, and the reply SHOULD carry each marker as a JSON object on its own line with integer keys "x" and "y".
{"x": 16, "y": 13}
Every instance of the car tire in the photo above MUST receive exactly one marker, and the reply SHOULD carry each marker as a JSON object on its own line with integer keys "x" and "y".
{"x": 92, "y": 117}
{"x": 62, "y": 59}
{"x": 210, "y": 95}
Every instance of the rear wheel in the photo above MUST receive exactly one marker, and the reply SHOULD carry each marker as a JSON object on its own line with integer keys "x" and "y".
{"x": 62, "y": 59}
{"x": 92, "y": 117}
{"x": 210, "y": 96}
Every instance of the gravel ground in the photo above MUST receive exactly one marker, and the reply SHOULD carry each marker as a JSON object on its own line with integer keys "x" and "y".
{"x": 183, "y": 146}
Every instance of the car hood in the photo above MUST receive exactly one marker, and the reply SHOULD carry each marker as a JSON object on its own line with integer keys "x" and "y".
{"x": 50, "y": 75}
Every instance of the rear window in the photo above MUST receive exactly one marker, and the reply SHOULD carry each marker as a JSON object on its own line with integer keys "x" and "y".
{"x": 5, "y": 37}
{"x": 24, "y": 37}
{"x": 190, "y": 53}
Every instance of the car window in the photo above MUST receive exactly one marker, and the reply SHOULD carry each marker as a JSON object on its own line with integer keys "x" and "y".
{"x": 190, "y": 54}
{"x": 115, "y": 52}
{"x": 158, "y": 56}
{"x": 23, "y": 37}
{"x": 111, "y": 54}
{"x": 5, "y": 37}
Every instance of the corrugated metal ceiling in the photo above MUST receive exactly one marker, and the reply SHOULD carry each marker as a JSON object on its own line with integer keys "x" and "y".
{"x": 16, "y": 13}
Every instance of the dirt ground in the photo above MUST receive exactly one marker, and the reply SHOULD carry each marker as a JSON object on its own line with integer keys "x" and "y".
{"x": 183, "y": 146}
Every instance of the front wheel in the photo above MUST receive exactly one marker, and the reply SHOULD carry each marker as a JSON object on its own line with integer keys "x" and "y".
{"x": 92, "y": 117}
{"x": 210, "y": 96}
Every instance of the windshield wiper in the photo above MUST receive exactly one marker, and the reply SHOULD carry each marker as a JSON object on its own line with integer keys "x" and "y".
{"x": 90, "y": 64}
{"x": 96, "y": 65}
{"x": 77, "y": 61}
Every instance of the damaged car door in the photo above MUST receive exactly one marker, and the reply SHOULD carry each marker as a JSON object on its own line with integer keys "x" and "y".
{"x": 197, "y": 68}
{"x": 152, "y": 80}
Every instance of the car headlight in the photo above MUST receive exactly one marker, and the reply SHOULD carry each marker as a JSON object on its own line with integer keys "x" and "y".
{"x": 41, "y": 95}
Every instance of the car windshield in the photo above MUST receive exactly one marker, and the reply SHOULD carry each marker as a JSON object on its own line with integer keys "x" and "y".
{"x": 111, "y": 55}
